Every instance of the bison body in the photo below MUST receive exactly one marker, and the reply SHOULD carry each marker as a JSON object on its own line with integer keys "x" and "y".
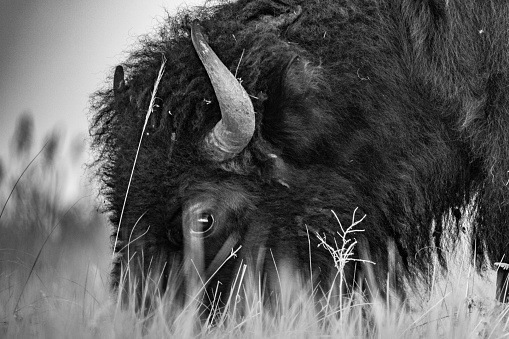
{"x": 397, "y": 108}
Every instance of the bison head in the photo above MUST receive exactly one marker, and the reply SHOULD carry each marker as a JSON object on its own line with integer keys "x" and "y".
{"x": 281, "y": 114}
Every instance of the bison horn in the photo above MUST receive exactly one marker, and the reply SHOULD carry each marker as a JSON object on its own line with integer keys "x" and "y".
{"x": 236, "y": 127}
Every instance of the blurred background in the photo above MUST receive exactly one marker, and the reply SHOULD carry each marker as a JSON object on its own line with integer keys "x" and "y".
{"x": 53, "y": 55}
{"x": 54, "y": 242}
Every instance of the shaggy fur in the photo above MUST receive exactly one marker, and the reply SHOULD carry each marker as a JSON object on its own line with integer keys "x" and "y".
{"x": 396, "y": 107}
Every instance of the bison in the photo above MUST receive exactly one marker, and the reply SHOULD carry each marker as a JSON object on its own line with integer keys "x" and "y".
{"x": 270, "y": 114}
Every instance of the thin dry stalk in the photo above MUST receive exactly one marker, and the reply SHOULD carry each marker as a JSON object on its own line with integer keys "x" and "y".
{"x": 345, "y": 253}
{"x": 147, "y": 116}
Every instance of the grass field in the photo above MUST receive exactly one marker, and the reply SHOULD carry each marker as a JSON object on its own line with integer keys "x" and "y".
{"x": 54, "y": 272}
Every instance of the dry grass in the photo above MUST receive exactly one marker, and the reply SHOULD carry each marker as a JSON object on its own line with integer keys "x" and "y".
{"x": 54, "y": 272}
{"x": 67, "y": 295}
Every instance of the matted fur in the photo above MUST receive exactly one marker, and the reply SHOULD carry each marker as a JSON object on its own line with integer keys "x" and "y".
{"x": 396, "y": 107}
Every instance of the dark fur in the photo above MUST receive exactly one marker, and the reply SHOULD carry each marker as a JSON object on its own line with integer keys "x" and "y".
{"x": 396, "y": 107}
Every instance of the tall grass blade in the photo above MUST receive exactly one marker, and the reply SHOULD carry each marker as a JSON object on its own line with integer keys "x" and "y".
{"x": 40, "y": 251}
{"x": 149, "y": 112}
{"x": 19, "y": 178}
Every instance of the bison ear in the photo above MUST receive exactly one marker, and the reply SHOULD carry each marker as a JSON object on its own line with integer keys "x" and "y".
{"x": 118, "y": 81}
{"x": 297, "y": 117}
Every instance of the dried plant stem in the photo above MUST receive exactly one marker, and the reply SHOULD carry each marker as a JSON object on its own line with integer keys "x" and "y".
{"x": 149, "y": 112}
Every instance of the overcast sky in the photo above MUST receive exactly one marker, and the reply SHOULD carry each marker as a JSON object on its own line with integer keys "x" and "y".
{"x": 55, "y": 53}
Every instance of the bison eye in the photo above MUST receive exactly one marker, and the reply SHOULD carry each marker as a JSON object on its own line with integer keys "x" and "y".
{"x": 203, "y": 224}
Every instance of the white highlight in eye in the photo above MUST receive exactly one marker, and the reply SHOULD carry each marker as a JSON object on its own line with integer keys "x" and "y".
{"x": 203, "y": 224}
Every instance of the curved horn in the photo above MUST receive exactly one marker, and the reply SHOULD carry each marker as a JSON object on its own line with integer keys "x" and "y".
{"x": 236, "y": 127}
